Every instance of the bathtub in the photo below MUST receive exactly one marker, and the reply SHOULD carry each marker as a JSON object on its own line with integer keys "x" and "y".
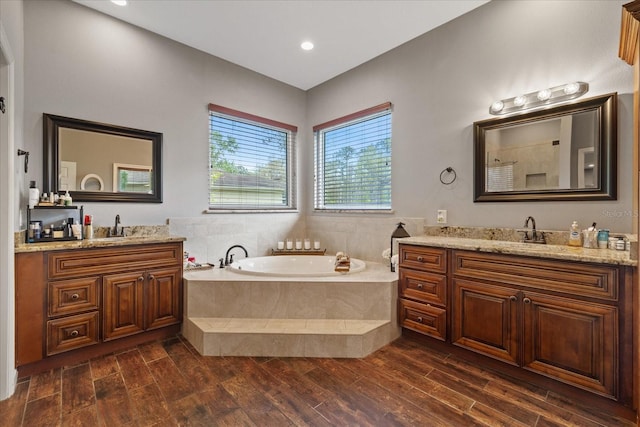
{"x": 293, "y": 312}
{"x": 293, "y": 266}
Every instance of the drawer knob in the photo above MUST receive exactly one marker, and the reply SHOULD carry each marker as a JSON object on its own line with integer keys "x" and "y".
{"x": 75, "y": 296}
{"x": 527, "y": 301}
{"x": 419, "y": 285}
{"x": 74, "y": 333}
{"x": 513, "y": 298}
{"x": 420, "y": 259}
{"x": 419, "y": 319}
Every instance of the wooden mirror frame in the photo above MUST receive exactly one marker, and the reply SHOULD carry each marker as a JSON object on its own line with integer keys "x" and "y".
{"x": 51, "y": 127}
{"x": 606, "y": 106}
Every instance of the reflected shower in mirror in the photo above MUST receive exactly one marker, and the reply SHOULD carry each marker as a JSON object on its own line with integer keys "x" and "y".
{"x": 100, "y": 162}
{"x": 562, "y": 153}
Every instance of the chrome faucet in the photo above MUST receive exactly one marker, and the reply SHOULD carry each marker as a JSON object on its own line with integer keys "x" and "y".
{"x": 533, "y": 223}
{"x": 536, "y": 237}
{"x": 114, "y": 232}
{"x": 228, "y": 260}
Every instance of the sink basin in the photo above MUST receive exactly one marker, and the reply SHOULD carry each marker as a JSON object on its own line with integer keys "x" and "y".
{"x": 538, "y": 241}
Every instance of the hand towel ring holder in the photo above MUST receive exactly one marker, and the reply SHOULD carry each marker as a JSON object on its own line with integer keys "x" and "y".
{"x": 449, "y": 177}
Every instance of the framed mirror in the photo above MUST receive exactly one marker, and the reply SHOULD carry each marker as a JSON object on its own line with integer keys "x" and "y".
{"x": 568, "y": 152}
{"x": 98, "y": 162}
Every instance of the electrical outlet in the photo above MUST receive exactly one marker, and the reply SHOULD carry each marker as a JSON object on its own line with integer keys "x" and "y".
{"x": 441, "y": 218}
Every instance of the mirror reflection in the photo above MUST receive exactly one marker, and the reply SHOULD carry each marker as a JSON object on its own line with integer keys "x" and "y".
{"x": 91, "y": 161}
{"x": 544, "y": 155}
{"x": 100, "y": 162}
{"x": 562, "y": 153}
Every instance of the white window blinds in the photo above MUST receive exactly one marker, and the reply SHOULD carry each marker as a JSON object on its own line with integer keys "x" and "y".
{"x": 251, "y": 161}
{"x": 353, "y": 161}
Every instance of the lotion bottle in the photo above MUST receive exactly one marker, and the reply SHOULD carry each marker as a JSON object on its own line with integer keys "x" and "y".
{"x": 574, "y": 235}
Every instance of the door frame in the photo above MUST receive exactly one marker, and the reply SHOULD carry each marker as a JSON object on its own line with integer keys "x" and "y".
{"x": 8, "y": 373}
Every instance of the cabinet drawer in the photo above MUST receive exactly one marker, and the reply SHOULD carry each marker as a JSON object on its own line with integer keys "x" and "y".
{"x": 73, "y": 296}
{"x": 423, "y": 286}
{"x": 574, "y": 278}
{"x": 76, "y": 263}
{"x": 423, "y": 258}
{"x": 70, "y": 333}
{"x": 423, "y": 318}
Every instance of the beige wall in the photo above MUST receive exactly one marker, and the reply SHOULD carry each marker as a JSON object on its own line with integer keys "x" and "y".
{"x": 442, "y": 82}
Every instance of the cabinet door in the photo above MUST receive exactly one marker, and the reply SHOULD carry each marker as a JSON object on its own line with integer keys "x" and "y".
{"x": 123, "y": 305}
{"x": 485, "y": 319}
{"x": 572, "y": 341}
{"x": 164, "y": 298}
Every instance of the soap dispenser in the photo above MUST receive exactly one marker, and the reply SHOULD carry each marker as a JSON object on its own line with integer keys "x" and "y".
{"x": 574, "y": 235}
{"x": 67, "y": 199}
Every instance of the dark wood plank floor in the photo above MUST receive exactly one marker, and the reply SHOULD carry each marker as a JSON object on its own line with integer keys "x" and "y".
{"x": 166, "y": 383}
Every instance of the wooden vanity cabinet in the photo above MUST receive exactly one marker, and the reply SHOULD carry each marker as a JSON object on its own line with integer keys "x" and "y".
{"x": 84, "y": 302}
{"x": 565, "y": 320}
{"x": 140, "y": 300}
{"x": 422, "y": 281}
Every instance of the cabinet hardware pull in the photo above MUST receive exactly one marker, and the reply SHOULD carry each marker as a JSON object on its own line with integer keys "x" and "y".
{"x": 152, "y": 277}
{"x": 74, "y": 333}
{"x": 527, "y": 301}
{"x": 513, "y": 298}
{"x": 419, "y": 285}
{"x": 140, "y": 279}
{"x": 420, "y": 259}
{"x": 75, "y": 296}
{"x": 419, "y": 319}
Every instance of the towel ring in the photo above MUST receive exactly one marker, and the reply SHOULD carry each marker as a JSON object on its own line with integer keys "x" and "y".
{"x": 91, "y": 176}
{"x": 449, "y": 171}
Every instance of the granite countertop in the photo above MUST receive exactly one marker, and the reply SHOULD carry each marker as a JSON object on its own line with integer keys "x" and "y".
{"x": 603, "y": 256}
{"x": 103, "y": 242}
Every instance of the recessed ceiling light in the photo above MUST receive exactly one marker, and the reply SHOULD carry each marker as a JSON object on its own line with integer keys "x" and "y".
{"x": 119, "y": 2}
{"x": 306, "y": 45}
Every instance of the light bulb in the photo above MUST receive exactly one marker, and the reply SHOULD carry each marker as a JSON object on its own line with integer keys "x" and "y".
{"x": 519, "y": 101}
{"x": 497, "y": 106}
{"x": 119, "y": 2}
{"x": 571, "y": 88}
{"x": 306, "y": 45}
{"x": 544, "y": 94}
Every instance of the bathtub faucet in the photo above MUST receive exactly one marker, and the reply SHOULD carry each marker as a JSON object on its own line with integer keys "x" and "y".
{"x": 228, "y": 260}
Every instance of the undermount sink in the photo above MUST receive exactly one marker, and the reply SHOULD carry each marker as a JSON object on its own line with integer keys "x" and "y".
{"x": 537, "y": 241}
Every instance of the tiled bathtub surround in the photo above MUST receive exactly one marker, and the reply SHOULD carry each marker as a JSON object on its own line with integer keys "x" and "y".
{"x": 364, "y": 237}
{"x": 344, "y": 316}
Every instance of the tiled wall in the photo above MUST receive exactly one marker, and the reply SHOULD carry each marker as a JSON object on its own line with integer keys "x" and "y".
{"x": 209, "y": 236}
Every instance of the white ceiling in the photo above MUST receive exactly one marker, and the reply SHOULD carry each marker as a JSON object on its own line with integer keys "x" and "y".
{"x": 265, "y": 35}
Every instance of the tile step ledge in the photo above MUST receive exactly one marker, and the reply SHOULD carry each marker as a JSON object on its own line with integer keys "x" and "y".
{"x": 213, "y": 336}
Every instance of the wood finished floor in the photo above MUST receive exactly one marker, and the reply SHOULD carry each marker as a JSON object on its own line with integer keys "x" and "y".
{"x": 167, "y": 383}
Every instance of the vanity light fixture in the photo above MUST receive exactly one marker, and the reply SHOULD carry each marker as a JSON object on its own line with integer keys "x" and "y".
{"x": 306, "y": 45}
{"x": 540, "y": 98}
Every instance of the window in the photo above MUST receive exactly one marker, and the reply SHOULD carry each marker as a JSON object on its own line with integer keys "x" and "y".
{"x": 353, "y": 161}
{"x": 251, "y": 161}
{"x": 132, "y": 178}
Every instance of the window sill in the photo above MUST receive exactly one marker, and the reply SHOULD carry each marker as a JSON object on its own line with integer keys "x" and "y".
{"x": 248, "y": 211}
{"x": 356, "y": 211}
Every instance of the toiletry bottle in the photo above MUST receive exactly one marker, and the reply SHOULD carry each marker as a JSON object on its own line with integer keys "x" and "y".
{"x": 88, "y": 226}
{"x": 574, "y": 235}
{"x": 34, "y": 195}
{"x": 67, "y": 199}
